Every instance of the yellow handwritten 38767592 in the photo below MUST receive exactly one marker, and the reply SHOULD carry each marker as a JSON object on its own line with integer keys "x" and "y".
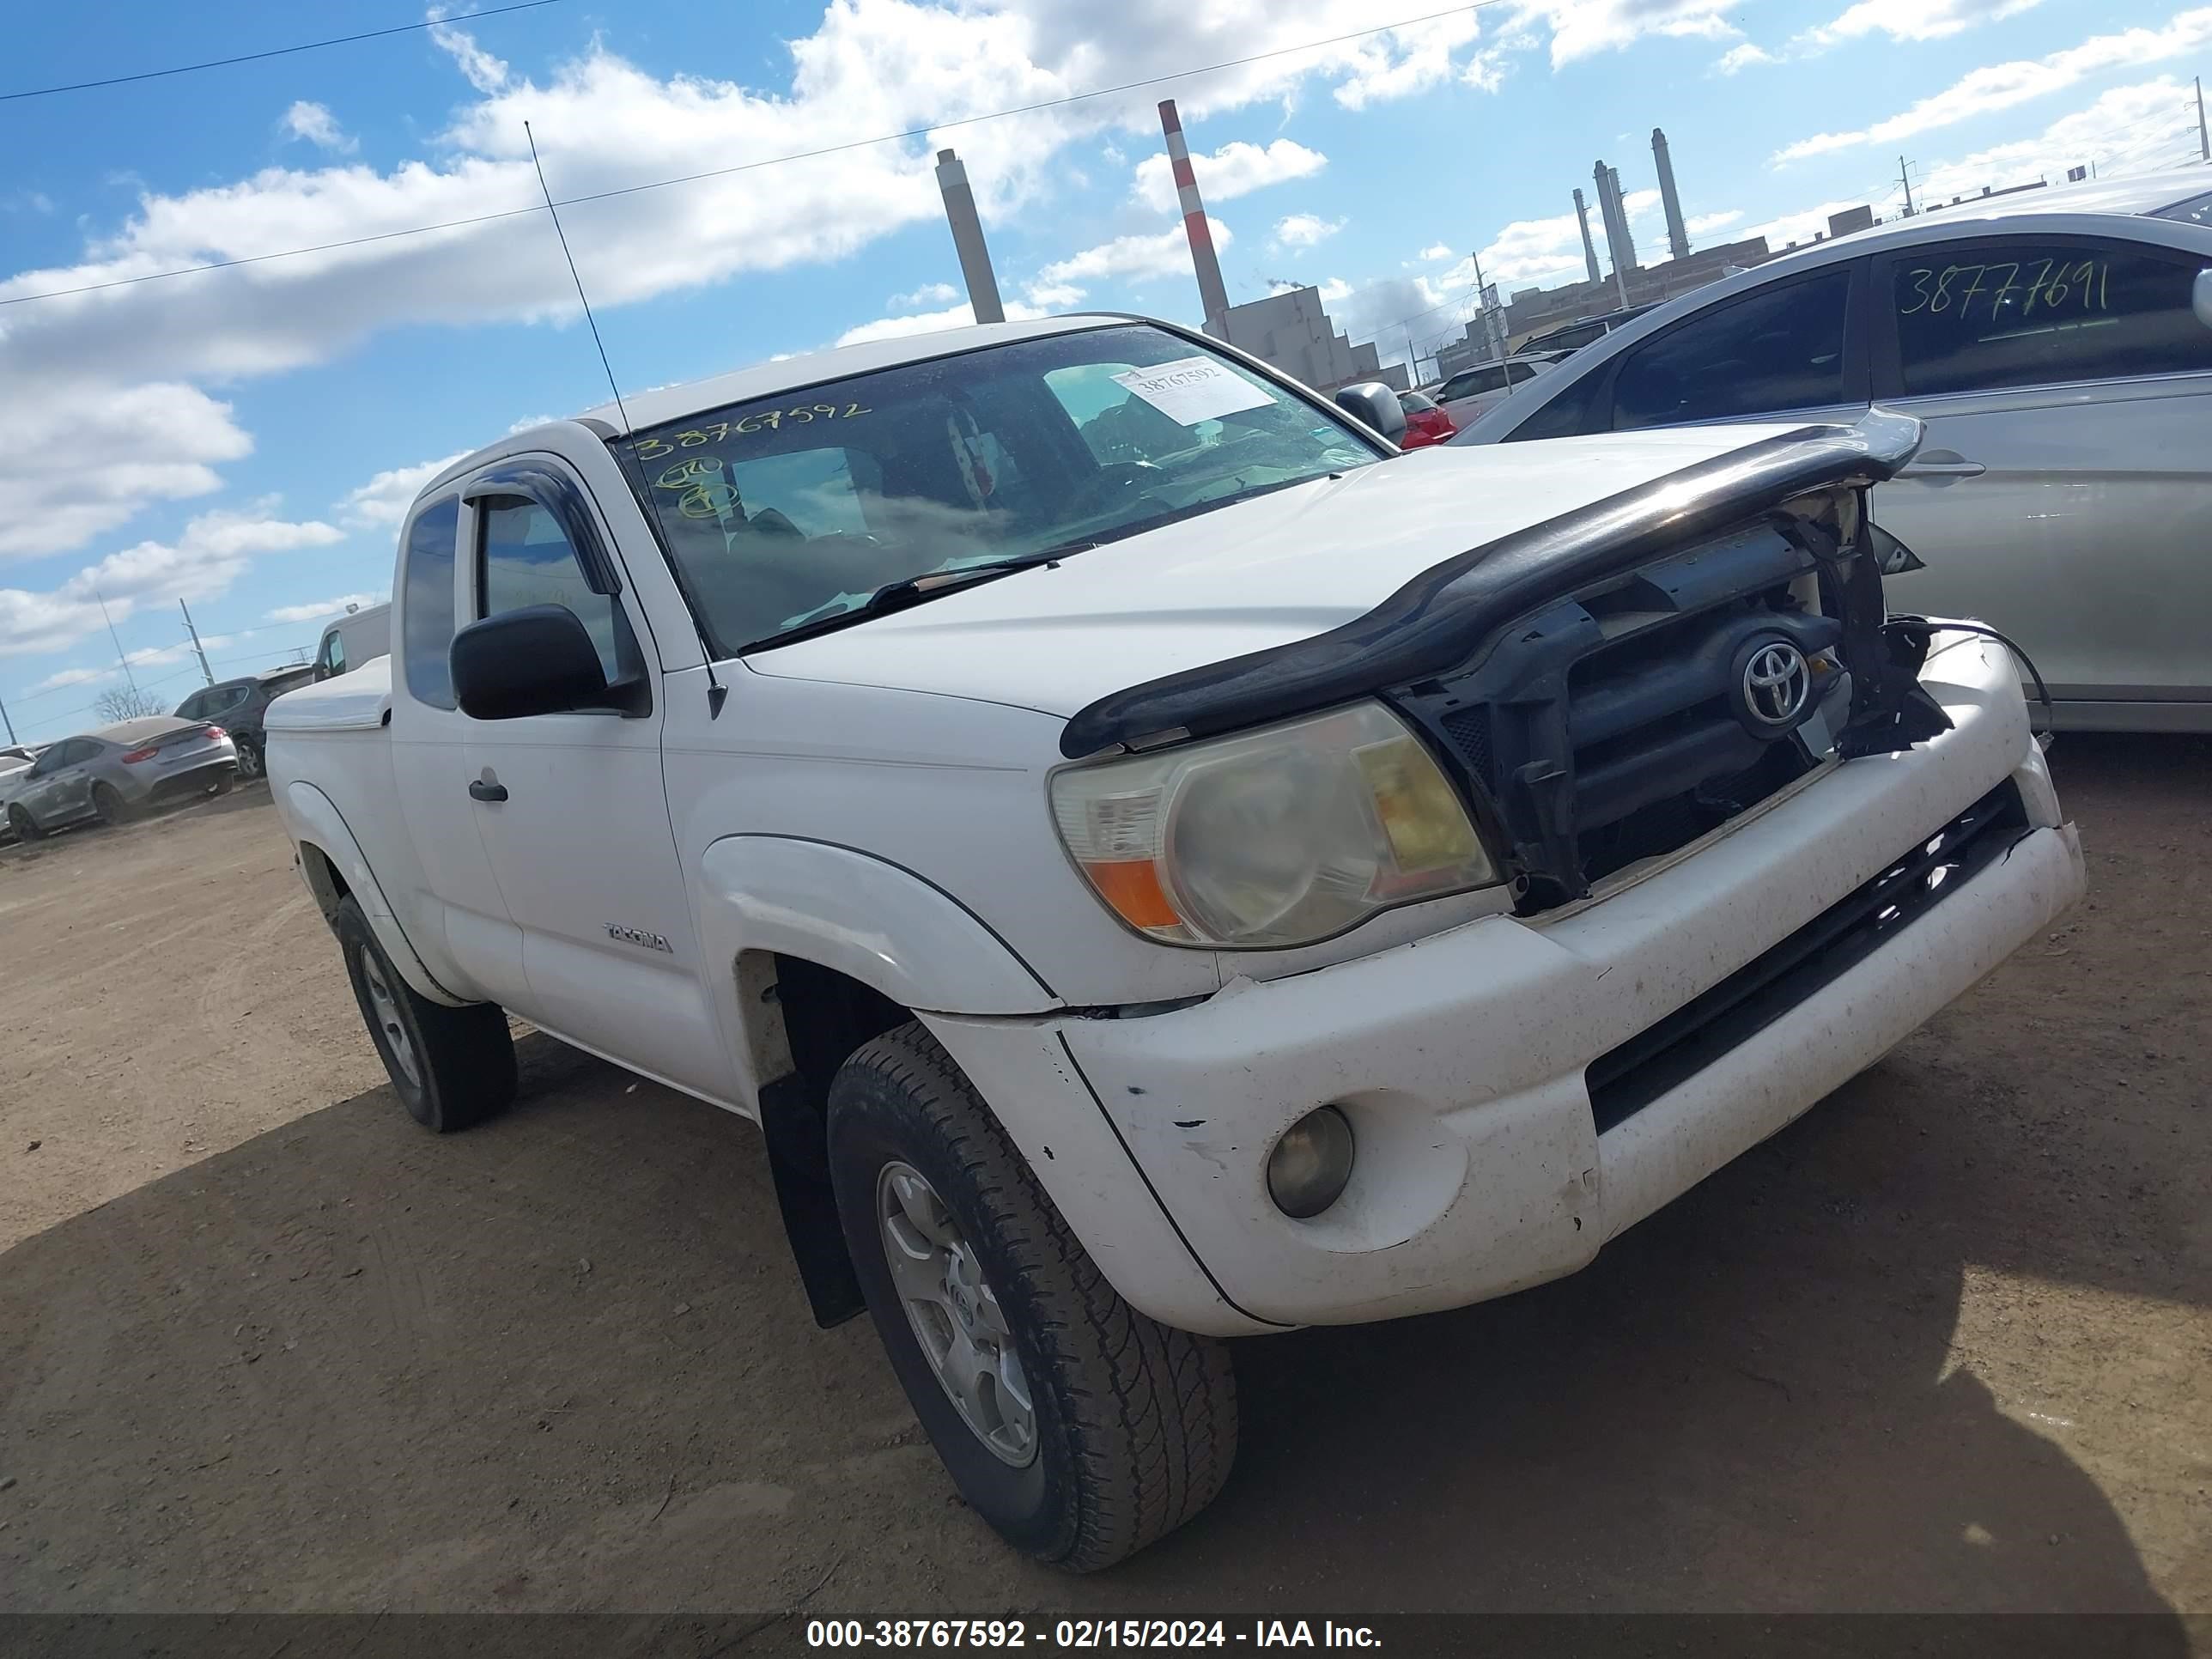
{"x": 765, "y": 420}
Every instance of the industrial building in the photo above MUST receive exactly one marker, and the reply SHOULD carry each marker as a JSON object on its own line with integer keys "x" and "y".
{"x": 1290, "y": 332}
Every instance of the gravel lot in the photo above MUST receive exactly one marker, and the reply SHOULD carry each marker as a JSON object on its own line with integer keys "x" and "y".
{"x": 266, "y": 1345}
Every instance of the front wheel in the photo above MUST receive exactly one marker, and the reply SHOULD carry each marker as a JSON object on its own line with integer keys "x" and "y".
{"x": 451, "y": 1067}
{"x": 1078, "y": 1428}
{"x": 25, "y": 827}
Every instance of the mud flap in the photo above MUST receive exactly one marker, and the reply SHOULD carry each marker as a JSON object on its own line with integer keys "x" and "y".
{"x": 792, "y": 1125}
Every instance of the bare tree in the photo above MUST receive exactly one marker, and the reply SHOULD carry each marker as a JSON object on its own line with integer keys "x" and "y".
{"x": 126, "y": 702}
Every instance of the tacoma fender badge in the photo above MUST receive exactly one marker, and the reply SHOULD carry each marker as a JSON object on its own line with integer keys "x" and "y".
{"x": 639, "y": 936}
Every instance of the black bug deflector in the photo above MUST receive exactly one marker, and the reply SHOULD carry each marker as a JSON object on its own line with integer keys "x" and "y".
{"x": 1447, "y": 614}
{"x": 1592, "y": 683}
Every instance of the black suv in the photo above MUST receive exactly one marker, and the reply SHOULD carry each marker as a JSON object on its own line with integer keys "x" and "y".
{"x": 237, "y": 706}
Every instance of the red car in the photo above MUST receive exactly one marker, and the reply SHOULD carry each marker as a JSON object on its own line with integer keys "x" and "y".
{"x": 1425, "y": 422}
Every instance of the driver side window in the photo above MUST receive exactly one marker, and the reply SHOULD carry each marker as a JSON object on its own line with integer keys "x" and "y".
{"x": 524, "y": 558}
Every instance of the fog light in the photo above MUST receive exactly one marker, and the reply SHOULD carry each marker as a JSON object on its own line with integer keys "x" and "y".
{"x": 1307, "y": 1170}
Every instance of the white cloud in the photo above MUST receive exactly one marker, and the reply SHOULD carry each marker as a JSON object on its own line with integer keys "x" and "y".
{"x": 2127, "y": 128}
{"x": 385, "y": 498}
{"x": 1402, "y": 62}
{"x": 316, "y": 125}
{"x": 1434, "y": 252}
{"x": 930, "y": 322}
{"x": 1704, "y": 224}
{"x": 1913, "y": 19}
{"x": 205, "y": 560}
{"x": 1236, "y": 169}
{"x": 316, "y": 609}
{"x": 1582, "y": 28}
{"x": 929, "y": 294}
{"x": 1334, "y": 291}
{"x": 1736, "y": 59}
{"x": 156, "y": 440}
{"x": 1306, "y": 230}
{"x": 1162, "y": 253}
{"x": 2000, "y": 86}
{"x": 1054, "y": 296}
{"x": 1800, "y": 226}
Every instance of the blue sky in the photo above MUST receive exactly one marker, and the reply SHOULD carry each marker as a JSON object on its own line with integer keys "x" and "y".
{"x": 246, "y": 439}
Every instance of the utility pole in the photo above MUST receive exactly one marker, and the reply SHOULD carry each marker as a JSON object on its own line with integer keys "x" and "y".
{"x": 6, "y": 721}
{"x": 121, "y": 661}
{"x": 1905, "y": 178}
{"x": 206, "y": 673}
{"x": 1493, "y": 326}
{"x": 2203, "y": 137}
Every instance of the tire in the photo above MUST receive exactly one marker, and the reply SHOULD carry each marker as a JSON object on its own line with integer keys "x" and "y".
{"x": 1131, "y": 1427}
{"x": 223, "y": 784}
{"x": 250, "y": 765}
{"x": 108, "y": 805}
{"x": 451, "y": 1067}
{"x": 25, "y": 827}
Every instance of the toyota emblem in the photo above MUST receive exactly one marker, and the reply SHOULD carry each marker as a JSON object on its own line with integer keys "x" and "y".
{"x": 1777, "y": 681}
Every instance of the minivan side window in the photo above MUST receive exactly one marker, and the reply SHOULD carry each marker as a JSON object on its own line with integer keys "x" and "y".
{"x": 2014, "y": 311}
{"x": 426, "y": 603}
{"x": 526, "y": 559}
{"x": 1777, "y": 349}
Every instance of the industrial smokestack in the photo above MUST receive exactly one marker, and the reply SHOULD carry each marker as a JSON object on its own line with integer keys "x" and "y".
{"x": 968, "y": 239}
{"x": 1212, "y": 294}
{"x": 1678, "y": 238}
{"x": 1620, "y": 246}
{"x": 1589, "y": 248}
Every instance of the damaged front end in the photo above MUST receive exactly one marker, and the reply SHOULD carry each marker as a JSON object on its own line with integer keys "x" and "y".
{"x": 1608, "y": 685}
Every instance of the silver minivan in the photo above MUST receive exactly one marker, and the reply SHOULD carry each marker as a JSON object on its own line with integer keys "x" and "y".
{"x": 2057, "y": 343}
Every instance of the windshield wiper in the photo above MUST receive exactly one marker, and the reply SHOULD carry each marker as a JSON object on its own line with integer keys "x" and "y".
{"x": 910, "y": 591}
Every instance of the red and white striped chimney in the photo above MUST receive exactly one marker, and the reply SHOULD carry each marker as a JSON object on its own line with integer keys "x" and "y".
{"x": 1210, "y": 292}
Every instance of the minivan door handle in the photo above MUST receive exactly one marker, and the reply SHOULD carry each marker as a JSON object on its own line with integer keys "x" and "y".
{"x": 479, "y": 790}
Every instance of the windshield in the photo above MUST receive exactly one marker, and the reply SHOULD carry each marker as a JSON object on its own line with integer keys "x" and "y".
{"x": 791, "y": 509}
{"x": 2196, "y": 211}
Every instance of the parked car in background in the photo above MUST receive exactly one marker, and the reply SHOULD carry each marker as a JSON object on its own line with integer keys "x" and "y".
{"x": 110, "y": 773}
{"x": 238, "y": 705}
{"x": 1168, "y": 878}
{"x": 14, "y": 761}
{"x": 2057, "y": 345}
{"x": 1584, "y": 331}
{"x": 1426, "y": 423}
{"x": 357, "y": 637}
{"x": 1470, "y": 393}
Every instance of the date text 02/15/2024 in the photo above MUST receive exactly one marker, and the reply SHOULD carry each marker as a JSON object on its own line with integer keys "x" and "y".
{"x": 1086, "y": 1633}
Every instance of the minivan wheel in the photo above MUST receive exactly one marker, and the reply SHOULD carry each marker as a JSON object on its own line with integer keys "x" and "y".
{"x": 25, "y": 826}
{"x": 451, "y": 1067}
{"x": 107, "y": 805}
{"x": 1079, "y": 1428}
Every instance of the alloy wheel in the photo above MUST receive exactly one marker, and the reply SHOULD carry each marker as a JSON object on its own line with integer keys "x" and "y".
{"x": 955, "y": 1314}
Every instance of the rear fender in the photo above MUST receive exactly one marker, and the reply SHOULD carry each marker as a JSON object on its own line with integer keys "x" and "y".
{"x": 317, "y": 824}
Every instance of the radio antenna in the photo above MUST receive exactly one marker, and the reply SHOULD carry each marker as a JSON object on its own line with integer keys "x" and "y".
{"x": 573, "y": 276}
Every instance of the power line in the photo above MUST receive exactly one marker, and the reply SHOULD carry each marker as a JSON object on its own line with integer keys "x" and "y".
{"x": 274, "y": 52}
{"x": 749, "y": 166}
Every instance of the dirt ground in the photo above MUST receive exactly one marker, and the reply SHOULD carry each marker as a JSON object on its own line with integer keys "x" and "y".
{"x": 264, "y": 1344}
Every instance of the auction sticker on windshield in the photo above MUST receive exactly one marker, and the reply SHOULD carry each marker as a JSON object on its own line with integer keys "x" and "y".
{"x": 1193, "y": 389}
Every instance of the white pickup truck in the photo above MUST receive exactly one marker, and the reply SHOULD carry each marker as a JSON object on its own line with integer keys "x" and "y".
{"x": 1159, "y": 864}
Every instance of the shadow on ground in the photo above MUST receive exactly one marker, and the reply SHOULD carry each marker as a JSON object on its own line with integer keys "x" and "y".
{"x": 561, "y": 1362}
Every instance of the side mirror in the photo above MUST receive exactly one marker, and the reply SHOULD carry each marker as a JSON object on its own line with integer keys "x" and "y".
{"x": 1374, "y": 403}
{"x": 2200, "y": 297}
{"x": 1892, "y": 556}
{"x": 536, "y": 660}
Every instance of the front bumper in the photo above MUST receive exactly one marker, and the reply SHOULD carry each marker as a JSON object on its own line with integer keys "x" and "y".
{"x": 1462, "y": 1058}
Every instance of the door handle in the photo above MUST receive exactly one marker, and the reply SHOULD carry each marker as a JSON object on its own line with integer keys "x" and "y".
{"x": 480, "y": 790}
{"x": 1951, "y": 469}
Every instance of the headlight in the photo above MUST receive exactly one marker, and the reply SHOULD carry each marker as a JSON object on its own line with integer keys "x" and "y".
{"x": 1278, "y": 837}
